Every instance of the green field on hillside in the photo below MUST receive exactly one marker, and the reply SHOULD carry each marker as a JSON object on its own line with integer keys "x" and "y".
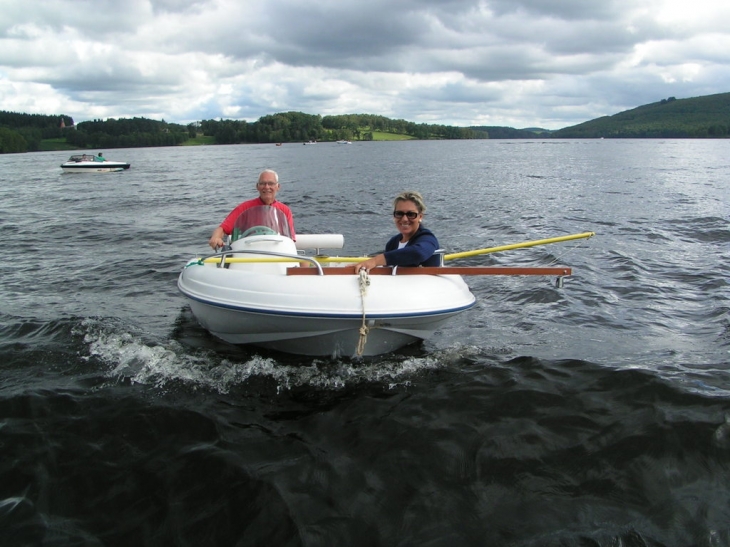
{"x": 200, "y": 140}
{"x": 382, "y": 136}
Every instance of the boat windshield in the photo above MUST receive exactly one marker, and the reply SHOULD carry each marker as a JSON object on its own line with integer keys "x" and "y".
{"x": 260, "y": 220}
{"x": 81, "y": 157}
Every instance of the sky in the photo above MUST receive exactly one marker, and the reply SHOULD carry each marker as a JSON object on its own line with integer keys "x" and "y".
{"x": 515, "y": 63}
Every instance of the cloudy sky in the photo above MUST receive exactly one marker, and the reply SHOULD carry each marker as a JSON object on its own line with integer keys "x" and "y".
{"x": 517, "y": 63}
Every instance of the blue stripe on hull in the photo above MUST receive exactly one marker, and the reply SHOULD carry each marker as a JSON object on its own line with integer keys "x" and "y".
{"x": 303, "y": 315}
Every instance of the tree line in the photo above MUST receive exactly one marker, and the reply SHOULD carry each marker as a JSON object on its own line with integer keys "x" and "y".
{"x": 301, "y": 127}
{"x": 25, "y": 132}
{"x": 127, "y": 133}
{"x": 698, "y": 117}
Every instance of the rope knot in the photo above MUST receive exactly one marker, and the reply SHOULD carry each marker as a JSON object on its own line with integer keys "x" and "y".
{"x": 364, "y": 283}
{"x": 364, "y": 329}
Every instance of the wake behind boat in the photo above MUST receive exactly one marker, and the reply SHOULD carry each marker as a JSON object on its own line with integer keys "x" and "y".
{"x": 88, "y": 163}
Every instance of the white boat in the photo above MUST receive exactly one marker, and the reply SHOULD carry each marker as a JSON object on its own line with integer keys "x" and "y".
{"x": 88, "y": 163}
{"x": 260, "y": 292}
{"x": 344, "y": 142}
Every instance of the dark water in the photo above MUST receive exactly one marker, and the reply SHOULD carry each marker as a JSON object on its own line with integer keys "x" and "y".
{"x": 595, "y": 414}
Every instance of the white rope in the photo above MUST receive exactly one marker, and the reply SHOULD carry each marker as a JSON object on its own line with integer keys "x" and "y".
{"x": 559, "y": 259}
{"x": 364, "y": 284}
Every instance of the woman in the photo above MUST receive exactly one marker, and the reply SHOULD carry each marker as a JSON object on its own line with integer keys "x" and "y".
{"x": 414, "y": 245}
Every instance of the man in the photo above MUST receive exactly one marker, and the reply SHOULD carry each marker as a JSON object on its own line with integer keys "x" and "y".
{"x": 267, "y": 186}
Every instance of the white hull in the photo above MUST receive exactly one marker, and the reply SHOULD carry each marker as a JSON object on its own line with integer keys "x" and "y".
{"x": 92, "y": 168}
{"x": 318, "y": 315}
{"x": 85, "y": 163}
{"x": 316, "y": 336}
{"x": 321, "y": 315}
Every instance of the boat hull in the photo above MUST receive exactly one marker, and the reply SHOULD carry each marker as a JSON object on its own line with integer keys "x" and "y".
{"x": 317, "y": 336}
{"x": 321, "y": 315}
{"x": 94, "y": 166}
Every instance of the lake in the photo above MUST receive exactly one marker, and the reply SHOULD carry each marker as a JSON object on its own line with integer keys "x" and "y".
{"x": 593, "y": 414}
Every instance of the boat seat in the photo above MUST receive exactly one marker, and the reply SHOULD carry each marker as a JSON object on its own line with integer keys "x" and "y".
{"x": 271, "y": 243}
{"x": 320, "y": 241}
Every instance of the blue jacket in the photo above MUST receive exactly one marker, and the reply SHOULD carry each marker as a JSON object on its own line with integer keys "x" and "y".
{"x": 417, "y": 252}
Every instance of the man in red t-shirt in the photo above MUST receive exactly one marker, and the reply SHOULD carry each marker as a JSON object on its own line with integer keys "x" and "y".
{"x": 268, "y": 186}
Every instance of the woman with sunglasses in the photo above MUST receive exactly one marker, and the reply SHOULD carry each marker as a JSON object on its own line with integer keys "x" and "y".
{"x": 414, "y": 245}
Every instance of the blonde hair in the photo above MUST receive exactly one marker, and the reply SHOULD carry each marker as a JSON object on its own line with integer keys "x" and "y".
{"x": 411, "y": 195}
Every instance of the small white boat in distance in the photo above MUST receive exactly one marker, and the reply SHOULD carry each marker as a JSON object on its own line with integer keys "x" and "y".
{"x": 344, "y": 142}
{"x": 88, "y": 163}
{"x": 248, "y": 294}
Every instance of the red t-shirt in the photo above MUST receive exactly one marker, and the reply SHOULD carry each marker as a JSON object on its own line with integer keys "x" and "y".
{"x": 227, "y": 224}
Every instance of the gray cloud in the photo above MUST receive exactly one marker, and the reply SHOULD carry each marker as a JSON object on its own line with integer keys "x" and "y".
{"x": 458, "y": 62}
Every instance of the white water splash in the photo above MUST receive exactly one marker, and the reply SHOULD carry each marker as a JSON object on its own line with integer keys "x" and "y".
{"x": 130, "y": 357}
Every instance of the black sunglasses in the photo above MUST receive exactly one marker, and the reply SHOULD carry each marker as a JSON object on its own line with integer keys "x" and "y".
{"x": 410, "y": 214}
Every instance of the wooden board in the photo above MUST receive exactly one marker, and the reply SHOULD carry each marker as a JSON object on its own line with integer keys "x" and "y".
{"x": 436, "y": 270}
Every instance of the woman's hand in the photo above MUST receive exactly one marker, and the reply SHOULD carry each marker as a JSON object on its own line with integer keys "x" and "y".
{"x": 370, "y": 263}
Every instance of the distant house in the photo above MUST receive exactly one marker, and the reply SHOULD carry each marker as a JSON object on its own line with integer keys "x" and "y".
{"x": 63, "y": 124}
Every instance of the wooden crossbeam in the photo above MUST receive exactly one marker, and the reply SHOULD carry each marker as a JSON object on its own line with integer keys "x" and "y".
{"x": 437, "y": 270}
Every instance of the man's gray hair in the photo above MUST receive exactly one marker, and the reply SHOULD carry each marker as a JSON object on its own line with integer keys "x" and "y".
{"x": 276, "y": 175}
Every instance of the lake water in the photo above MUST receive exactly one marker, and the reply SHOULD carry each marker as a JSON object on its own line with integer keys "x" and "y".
{"x": 593, "y": 414}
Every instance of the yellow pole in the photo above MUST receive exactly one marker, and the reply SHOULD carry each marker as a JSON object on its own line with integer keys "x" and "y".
{"x": 476, "y": 252}
{"x": 353, "y": 259}
{"x": 257, "y": 260}
{"x": 452, "y": 256}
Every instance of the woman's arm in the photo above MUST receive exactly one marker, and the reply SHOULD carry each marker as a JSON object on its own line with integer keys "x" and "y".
{"x": 414, "y": 254}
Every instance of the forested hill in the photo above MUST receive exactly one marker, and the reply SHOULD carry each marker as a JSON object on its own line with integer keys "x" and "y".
{"x": 23, "y": 132}
{"x": 29, "y": 132}
{"x": 500, "y": 132}
{"x": 698, "y": 117}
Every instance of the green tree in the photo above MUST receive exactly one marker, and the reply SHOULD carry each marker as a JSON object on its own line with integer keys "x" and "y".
{"x": 11, "y": 141}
